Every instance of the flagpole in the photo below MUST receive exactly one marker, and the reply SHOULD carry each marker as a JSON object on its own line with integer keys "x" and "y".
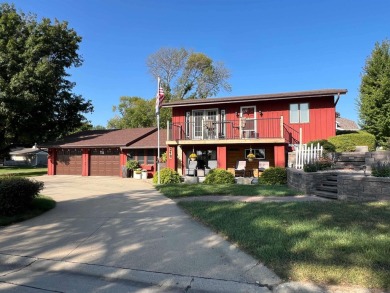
{"x": 158, "y": 130}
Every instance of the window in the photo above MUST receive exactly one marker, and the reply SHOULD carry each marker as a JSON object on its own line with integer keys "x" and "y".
{"x": 150, "y": 157}
{"x": 299, "y": 113}
{"x": 259, "y": 153}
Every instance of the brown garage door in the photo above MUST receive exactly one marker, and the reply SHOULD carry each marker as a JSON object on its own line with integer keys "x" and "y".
{"x": 105, "y": 162}
{"x": 69, "y": 162}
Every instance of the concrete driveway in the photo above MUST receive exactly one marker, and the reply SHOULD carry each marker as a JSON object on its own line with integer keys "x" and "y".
{"x": 110, "y": 234}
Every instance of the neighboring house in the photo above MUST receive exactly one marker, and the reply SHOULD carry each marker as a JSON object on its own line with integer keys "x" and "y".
{"x": 228, "y": 129}
{"x": 104, "y": 152}
{"x": 27, "y": 157}
{"x": 343, "y": 124}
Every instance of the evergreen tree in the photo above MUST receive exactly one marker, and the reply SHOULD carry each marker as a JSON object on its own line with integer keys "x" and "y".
{"x": 374, "y": 98}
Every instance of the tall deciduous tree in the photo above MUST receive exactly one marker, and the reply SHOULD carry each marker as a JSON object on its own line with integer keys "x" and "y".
{"x": 188, "y": 75}
{"x": 374, "y": 98}
{"x": 134, "y": 112}
{"x": 36, "y": 98}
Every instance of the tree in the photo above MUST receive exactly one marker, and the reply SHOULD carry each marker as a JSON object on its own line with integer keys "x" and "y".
{"x": 374, "y": 98}
{"x": 188, "y": 75}
{"x": 36, "y": 99}
{"x": 136, "y": 112}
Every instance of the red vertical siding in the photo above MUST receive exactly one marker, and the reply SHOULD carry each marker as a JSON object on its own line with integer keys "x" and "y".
{"x": 85, "y": 163}
{"x": 171, "y": 157}
{"x": 280, "y": 157}
{"x": 221, "y": 157}
{"x": 51, "y": 162}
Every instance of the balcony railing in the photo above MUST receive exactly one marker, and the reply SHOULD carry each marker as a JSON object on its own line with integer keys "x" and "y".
{"x": 232, "y": 129}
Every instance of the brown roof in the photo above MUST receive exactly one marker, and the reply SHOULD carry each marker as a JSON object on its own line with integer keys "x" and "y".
{"x": 150, "y": 141}
{"x": 263, "y": 97}
{"x": 346, "y": 124}
{"x": 102, "y": 138}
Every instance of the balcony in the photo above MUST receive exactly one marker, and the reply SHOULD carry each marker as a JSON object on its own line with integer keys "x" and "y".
{"x": 264, "y": 130}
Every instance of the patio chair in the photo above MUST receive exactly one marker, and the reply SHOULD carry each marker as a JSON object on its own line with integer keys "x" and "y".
{"x": 240, "y": 168}
{"x": 262, "y": 166}
{"x": 212, "y": 164}
{"x": 191, "y": 168}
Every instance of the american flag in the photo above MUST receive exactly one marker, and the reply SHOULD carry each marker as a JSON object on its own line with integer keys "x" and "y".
{"x": 159, "y": 97}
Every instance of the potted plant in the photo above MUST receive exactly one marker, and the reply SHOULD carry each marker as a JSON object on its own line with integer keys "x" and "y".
{"x": 250, "y": 157}
{"x": 193, "y": 156}
{"x": 131, "y": 166}
{"x": 144, "y": 174}
{"x": 138, "y": 173}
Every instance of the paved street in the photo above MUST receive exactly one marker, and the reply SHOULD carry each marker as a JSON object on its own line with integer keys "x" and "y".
{"x": 109, "y": 234}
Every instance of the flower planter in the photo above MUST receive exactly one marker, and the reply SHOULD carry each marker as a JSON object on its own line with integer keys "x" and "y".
{"x": 144, "y": 175}
{"x": 137, "y": 175}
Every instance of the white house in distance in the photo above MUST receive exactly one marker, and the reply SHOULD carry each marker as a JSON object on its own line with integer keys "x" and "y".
{"x": 27, "y": 157}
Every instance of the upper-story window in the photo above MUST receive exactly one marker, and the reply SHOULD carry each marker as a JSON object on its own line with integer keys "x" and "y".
{"x": 299, "y": 113}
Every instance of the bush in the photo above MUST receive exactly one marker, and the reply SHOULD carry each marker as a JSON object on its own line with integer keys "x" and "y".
{"x": 348, "y": 142}
{"x": 132, "y": 164}
{"x": 274, "y": 176}
{"x": 319, "y": 165}
{"x": 167, "y": 176}
{"x": 381, "y": 169}
{"x": 328, "y": 146}
{"x": 219, "y": 176}
{"x": 17, "y": 194}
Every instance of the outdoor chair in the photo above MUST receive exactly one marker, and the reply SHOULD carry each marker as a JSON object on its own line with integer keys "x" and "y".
{"x": 240, "y": 168}
{"x": 212, "y": 164}
{"x": 262, "y": 166}
{"x": 191, "y": 168}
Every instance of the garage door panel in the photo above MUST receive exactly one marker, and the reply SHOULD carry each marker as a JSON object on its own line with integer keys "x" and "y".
{"x": 69, "y": 162}
{"x": 105, "y": 162}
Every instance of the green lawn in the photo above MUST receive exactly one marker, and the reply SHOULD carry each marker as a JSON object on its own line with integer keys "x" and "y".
{"x": 185, "y": 190}
{"x": 323, "y": 242}
{"x": 40, "y": 205}
{"x": 23, "y": 171}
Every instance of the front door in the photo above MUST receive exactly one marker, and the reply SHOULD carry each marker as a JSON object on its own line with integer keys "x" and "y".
{"x": 248, "y": 122}
{"x": 205, "y": 126}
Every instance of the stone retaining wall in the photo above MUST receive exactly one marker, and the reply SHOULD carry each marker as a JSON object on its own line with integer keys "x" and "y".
{"x": 360, "y": 187}
{"x": 350, "y": 186}
{"x": 304, "y": 182}
{"x": 372, "y": 158}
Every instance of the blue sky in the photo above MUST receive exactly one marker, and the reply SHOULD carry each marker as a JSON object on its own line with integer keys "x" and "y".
{"x": 269, "y": 46}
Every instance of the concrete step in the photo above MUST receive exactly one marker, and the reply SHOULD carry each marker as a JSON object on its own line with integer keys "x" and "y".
{"x": 326, "y": 194}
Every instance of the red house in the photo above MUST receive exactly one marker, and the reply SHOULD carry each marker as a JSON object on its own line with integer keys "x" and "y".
{"x": 226, "y": 130}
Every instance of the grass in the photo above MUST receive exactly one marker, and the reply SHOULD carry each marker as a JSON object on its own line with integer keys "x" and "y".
{"x": 323, "y": 242}
{"x": 22, "y": 171}
{"x": 40, "y": 205}
{"x": 185, "y": 190}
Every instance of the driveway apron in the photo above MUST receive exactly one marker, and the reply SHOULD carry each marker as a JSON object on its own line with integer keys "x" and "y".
{"x": 123, "y": 224}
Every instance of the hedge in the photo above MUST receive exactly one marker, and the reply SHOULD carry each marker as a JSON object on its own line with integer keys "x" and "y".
{"x": 348, "y": 142}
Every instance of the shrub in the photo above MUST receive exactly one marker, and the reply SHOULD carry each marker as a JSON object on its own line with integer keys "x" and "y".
{"x": 167, "y": 176}
{"x": 274, "y": 176}
{"x": 348, "y": 142}
{"x": 381, "y": 169}
{"x": 132, "y": 164}
{"x": 219, "y": 176}
{"x": 17, "y": 194}
{"x": 328, "y": 146}
{"x": 319, "y": 165}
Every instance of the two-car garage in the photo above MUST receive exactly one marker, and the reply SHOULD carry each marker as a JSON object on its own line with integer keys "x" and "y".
{"x": 101, "y": 161}
{"x": 100, "y": 152}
